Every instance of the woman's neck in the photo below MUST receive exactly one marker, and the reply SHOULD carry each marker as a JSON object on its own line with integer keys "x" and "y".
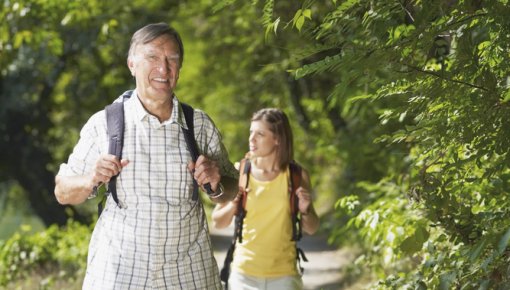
{"x": 265, "y": 169}
{"x": 267, "y": 164}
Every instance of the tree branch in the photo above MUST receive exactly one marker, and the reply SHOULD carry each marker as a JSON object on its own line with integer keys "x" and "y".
{"x": 432, "y": 73}
{"x": 295, "y": 98}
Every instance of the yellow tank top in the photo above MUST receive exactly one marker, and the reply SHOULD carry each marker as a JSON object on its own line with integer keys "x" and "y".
{"x": 267, "y": 249}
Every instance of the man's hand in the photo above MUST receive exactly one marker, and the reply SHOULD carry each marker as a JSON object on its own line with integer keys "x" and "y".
{"x": 206, "y": 171}
{"x": 106, "y": 167}
{"x": 76, "y": 189}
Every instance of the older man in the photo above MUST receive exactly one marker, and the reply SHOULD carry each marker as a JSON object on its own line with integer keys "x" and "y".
{"x": 156, "y": 237}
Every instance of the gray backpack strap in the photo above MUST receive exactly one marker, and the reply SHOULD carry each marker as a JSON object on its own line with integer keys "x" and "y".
{"x": 115, "y": 130}
{"x": 115, "y": 125}
{"x": 191, "y": 143}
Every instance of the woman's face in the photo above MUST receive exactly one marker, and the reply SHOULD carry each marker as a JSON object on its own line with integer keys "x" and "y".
{"x": 262, "y": 141}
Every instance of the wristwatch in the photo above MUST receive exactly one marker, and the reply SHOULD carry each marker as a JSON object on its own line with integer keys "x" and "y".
{"x": 94, "y": 191}
{"x": 219, "y": 191}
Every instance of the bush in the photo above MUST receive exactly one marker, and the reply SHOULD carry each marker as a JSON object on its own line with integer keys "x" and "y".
{"x": 53, "y": 254}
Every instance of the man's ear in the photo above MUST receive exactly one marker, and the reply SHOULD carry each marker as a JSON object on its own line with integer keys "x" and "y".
{"x": 131, "y": 66}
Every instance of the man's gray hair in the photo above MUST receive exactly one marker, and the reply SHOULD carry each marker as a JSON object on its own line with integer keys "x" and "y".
{"x": 152, "y": 31}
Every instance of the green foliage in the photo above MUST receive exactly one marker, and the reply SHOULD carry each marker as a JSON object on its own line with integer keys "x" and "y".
{"x": 428, "y": 82}
{"x": 299, "y": 18}
{"x": 14, "y": 211}
{"x": 59, "y": 251}
{"x": 399, "y": 108}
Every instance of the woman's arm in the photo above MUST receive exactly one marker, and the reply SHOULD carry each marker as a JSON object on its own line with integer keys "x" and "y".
{"x": 223, "y": 213}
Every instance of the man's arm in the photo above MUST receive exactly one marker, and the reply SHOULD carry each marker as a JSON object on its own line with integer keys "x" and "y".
{"x": 76, "y": 189}
{"x": 73, "y": 189}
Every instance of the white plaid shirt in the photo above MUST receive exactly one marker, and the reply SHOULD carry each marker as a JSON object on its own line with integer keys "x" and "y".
{"x": 160, "y": 240}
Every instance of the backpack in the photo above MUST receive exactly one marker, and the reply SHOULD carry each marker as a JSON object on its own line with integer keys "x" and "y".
{"x": 294, "y": 183}
{"x": 115, "y": 130}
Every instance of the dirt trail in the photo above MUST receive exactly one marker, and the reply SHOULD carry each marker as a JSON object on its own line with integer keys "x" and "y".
{"x": 323, "y": 269}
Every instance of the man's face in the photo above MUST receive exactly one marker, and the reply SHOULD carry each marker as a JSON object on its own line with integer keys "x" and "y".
{"x": 155, "y": 66}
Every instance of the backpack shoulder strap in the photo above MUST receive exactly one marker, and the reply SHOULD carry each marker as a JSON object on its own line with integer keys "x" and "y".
{"x": 244, "y": 169}
{"x": 115, "y": 125}
{"x": 191, "y": 143}
{"x": 115, "y": 128}
{"x": 189, "y": 113}
{"x": 115, "y": 131}
{"x": 294, "y": 183}
{"x": 244, "y": 179}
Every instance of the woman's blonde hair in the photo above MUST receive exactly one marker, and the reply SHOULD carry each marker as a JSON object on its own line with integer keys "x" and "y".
{"x": 280, "y": 126}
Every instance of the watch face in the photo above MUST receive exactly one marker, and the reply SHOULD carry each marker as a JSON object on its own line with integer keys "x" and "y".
{"x": 96, "y": 189}
{"x": 219, "y": 191}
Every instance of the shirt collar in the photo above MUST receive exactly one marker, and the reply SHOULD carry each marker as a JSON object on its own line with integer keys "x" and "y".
{"x": 177, "y": 113}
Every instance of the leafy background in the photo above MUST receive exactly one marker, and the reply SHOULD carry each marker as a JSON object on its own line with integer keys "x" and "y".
{"x": 400, "y": 111}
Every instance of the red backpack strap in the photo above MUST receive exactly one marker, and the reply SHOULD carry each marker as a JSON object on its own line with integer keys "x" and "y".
{"x": 294, "y": 184}
{"x": 244, "y": 179}
{"x": 244, "y": 169}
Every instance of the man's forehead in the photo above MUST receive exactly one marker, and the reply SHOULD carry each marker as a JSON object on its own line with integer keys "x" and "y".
{"x": 162, "y": 41}
{"x": 153, "y": 47}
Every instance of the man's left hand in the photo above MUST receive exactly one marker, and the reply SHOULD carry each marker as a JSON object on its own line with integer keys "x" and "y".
{"x": 206, "y": 171}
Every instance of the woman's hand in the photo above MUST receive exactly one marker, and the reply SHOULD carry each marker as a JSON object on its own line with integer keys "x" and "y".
{"x": 305, "y": 200}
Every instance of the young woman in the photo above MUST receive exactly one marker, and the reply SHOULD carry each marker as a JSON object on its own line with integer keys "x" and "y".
{"x": 266, "y": 257}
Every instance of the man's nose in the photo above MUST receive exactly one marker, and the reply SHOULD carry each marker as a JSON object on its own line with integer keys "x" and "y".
{"x": 163, "y": 68}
